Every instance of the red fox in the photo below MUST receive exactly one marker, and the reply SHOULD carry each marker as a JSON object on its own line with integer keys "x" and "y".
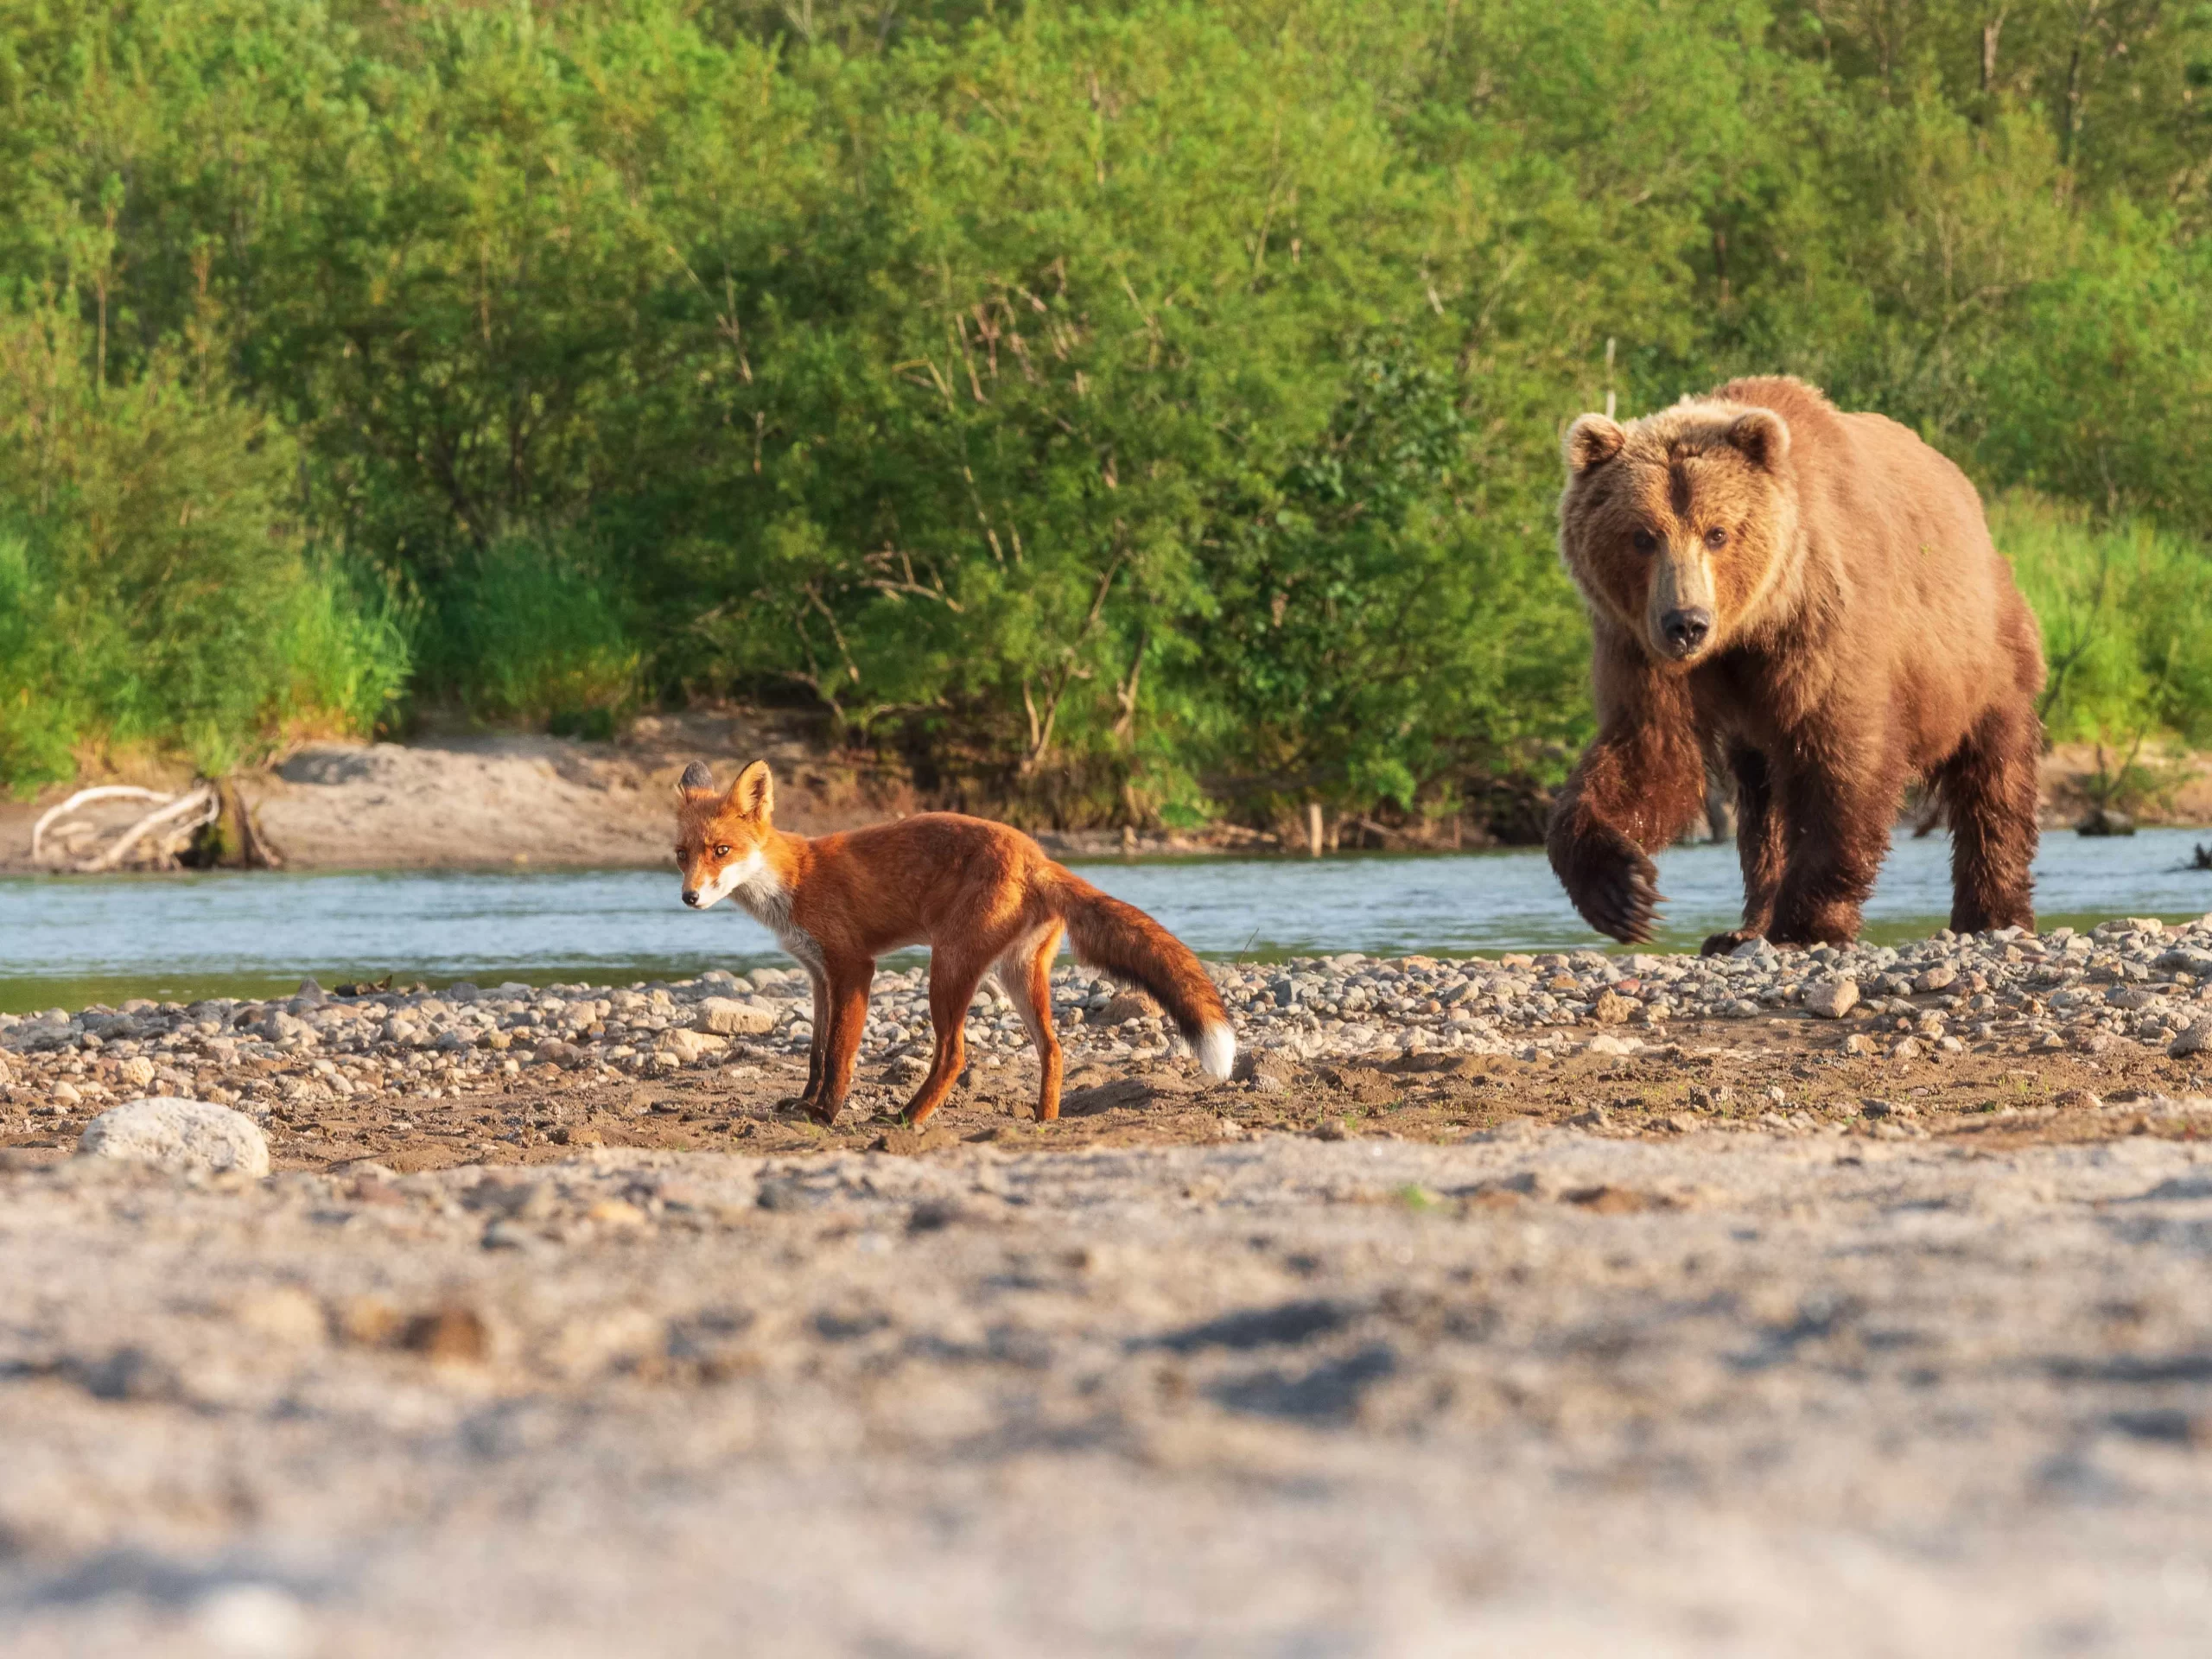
{"x": 983, "y": 897}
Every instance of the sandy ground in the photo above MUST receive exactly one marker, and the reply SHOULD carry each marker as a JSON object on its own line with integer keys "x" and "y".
{"x": 1592, "y": 1354}
{"x": 509, "y": 799}
{"x": 512, "y": 799}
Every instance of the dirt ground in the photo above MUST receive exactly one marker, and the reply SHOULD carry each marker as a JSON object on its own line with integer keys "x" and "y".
{"x": 1597, "y": 1355}
{"x": 1720, "y": 1074}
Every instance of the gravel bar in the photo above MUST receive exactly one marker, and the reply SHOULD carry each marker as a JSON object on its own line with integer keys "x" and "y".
{"x": 1825, "y": 1303}
{"x": 2125, "y": 982}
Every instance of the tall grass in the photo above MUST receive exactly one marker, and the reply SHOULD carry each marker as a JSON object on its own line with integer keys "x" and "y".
{"x": 346, "y": 644}
{"x": 2126, "y": 613}
{"x": 532, "y": 628}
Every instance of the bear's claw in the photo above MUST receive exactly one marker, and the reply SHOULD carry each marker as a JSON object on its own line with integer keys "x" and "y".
{"x": 1623, "y": 901}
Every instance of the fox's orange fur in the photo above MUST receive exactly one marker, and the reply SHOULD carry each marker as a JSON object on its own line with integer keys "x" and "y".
{"x": 983, "y": 898}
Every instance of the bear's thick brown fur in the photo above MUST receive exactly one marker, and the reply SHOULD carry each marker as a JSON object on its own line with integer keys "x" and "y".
{"x": 1809, "y": 599}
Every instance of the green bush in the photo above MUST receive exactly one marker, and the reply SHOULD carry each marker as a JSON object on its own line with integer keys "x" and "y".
{"x": 153, "y": 590}
{"x": 1143, "y": 408}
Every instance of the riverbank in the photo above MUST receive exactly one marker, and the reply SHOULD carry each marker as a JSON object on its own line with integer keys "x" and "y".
{"x": 540, "y": 802}
{"x": 1567, "y": 1304}
{"x": 490, "y": 801}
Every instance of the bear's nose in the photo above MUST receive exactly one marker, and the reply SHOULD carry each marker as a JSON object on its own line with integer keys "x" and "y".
{"x": 691, "y": 897}
{"x": 1685, "y": 630}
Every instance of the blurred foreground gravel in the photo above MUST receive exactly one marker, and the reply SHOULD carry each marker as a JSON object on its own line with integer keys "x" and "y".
{"x": 1533, "y": 1391}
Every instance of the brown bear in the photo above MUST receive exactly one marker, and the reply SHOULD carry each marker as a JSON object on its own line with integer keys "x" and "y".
{"x": 1809, "y": 599}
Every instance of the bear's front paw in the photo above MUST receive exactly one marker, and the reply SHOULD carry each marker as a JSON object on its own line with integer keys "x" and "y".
{"x": 1721, "y": 944}
{"x": 1616, "y": 889}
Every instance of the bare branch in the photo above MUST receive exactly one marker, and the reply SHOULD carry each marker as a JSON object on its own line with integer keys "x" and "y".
{"x": 203, "y": 800}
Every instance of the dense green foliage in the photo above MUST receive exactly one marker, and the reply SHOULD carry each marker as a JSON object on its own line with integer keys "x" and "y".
{"x": 1123, "y": 410}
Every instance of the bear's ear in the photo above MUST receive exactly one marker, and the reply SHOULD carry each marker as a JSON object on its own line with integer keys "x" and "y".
{"x": 697, "y": 783}
{"x": 1593, "y": 441}
{"x": 1762, "y": 436}
{"x": 753, "y": 794}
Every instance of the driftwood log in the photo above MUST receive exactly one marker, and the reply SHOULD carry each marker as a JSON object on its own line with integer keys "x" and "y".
{"x": 175, "y": 817}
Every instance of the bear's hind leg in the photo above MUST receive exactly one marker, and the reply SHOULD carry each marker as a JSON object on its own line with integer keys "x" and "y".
{"x": 1759, "y": 843}
{"x": 1989, "y": 788}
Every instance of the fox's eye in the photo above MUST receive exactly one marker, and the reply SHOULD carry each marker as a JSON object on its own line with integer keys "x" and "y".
{"x": 721, "y": 852}
{"x": 1645, "y": 541}
{"x": 1716, "y": 537}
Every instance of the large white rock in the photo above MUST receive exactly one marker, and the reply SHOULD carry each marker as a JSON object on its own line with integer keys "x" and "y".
{"x": 1831, "y": 999}
{"x": 689, "y": 1048}
{"x": 178, "y": 1134}
{"x": 725, "y": 1016}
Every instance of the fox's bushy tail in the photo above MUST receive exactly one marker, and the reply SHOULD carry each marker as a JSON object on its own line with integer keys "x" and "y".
{"x": 1120, "y": 940}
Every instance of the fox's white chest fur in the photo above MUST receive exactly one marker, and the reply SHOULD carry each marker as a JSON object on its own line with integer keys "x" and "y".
{"x": 757, "y": 889}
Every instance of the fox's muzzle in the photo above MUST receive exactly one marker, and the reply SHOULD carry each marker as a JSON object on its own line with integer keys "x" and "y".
{"x": 691, "y": 896}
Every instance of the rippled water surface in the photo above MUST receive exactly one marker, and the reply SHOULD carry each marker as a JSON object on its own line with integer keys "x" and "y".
{"x": 68, "y": 941}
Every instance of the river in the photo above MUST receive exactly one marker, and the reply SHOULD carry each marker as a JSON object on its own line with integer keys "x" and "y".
{"x": 68, "y": 941}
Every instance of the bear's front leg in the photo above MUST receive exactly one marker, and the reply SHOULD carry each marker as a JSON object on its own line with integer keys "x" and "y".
{"x": 1762, "y": 842}
{"x": 1635, "y": 789}
{"x": 1611, "y": 882}
{"x": 1842, "y": 836}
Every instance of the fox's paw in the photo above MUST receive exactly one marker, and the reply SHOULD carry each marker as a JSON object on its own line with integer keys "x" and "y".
{"x": 1615, "y": 886}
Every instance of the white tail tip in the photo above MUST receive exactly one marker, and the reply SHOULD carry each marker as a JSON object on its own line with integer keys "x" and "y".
{"x": 1216, "y": 1052}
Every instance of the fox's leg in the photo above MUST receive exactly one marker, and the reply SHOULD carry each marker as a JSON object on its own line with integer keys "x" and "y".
{"x": 954, "y": 974}
{"x": 1025, "y": 973}
{"x": 820, "y": 1045}
{"x": 846, "y": 995}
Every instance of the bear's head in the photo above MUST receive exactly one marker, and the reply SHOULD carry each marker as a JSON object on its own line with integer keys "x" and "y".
{"x": 1681, "y": 527}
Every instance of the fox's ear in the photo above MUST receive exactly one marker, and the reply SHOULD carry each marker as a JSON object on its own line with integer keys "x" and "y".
{"x": 754, "y": 792}
{"x": 697, "y": 782}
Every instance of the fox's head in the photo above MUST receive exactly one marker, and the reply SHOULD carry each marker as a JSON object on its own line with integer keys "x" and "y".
{"x": 720, "y": 834}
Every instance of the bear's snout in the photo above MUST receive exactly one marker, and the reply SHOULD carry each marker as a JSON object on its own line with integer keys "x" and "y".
{"x": 1684, "y": 630}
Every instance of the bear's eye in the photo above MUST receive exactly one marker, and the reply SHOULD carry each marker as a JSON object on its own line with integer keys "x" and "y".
{"x": 1645, "y": 541}
{"x": 1716, "y": 537}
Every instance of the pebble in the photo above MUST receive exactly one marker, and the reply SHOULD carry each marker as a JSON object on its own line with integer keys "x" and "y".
{"x": 179, "y": 1135}
{"x": 2135, "y": 980}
